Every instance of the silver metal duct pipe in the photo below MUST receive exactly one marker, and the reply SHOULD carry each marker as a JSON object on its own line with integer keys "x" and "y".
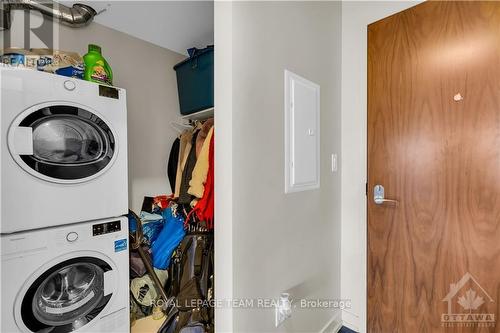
{"x": 76, "y": 16}
{"x": 4, "y": 17}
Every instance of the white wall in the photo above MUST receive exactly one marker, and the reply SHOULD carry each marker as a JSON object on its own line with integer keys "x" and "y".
{"x": 223, "y": 163}
{"x": 145, "y": 70}
{"x": 356, "y": 15}
{"x": 280, "y": 243}
{"x": 172, "y": 24}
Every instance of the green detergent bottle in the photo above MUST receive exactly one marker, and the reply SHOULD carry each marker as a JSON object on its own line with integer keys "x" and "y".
{"x": 96, "y": 67}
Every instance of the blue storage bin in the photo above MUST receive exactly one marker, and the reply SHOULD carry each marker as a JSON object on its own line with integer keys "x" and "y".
{"x": 195, "y": 81}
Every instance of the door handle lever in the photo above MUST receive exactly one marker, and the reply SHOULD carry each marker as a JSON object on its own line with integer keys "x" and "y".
{"x": 379, "y": 196}
{"x": 381, "y": 201}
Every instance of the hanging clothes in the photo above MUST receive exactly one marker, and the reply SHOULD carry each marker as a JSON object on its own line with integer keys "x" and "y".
{"x": 184, "y": 197}
{"x": 199, "y": 175}
{"x": 172, "y": 165}
{"x": 202, "y": 134}
{"x": 204, "y": 208}
{"x": 184, "y": 149}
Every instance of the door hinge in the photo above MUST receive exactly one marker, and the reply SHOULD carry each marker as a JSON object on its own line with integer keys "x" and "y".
{"x": 366, "y": 189}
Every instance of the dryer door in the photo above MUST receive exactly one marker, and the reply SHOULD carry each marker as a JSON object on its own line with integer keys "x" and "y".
{"x": 62, "y": 143}
{"x": 67, "y": 296}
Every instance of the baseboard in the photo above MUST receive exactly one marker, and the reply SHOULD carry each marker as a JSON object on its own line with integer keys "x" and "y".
{"x": 348, "y": 320}
{"x": 334, "y": 324}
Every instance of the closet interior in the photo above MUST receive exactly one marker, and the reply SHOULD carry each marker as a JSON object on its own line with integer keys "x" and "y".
{"x": 172, "y": 237}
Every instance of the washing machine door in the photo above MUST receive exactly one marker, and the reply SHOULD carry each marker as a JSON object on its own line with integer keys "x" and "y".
{"x": 62, "y": 143}
{"x": 67, "y": 296}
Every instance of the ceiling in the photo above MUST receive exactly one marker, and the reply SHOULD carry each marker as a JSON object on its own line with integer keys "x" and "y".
{"x": 175, "y": 25}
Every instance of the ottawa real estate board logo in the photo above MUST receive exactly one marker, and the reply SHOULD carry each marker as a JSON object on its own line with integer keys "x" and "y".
{"x": 468, "y": 305}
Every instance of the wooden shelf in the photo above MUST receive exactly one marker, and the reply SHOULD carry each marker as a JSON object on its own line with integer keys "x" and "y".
{"x": 200, "y": 115}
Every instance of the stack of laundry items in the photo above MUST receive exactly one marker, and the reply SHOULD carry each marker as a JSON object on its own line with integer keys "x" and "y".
{"x": 163, "y": 230}
{"x": 47, "y": 60}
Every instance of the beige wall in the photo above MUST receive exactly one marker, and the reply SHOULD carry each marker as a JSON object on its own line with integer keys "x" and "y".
{"x": 145, "y": 71}
{"x": 280, "y": 243}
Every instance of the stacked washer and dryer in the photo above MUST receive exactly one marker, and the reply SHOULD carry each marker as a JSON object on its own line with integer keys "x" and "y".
{"x": 64, "y": 240}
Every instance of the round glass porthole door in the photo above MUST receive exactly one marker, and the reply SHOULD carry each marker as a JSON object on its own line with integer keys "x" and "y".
{"x": 66, "y": 297}
{"x": 68, "y": 143}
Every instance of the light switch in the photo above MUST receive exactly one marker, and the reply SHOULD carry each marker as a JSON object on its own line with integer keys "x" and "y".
{"x": 334, "y": 163}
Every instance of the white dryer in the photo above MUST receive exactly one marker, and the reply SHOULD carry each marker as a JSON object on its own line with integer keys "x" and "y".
{"x": 63, "y": 150}
{"x": 67, "y": 278}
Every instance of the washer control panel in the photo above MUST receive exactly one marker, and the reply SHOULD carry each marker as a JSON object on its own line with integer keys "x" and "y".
{"x": 110, "y": 92}
{"x": 105, "y": 228}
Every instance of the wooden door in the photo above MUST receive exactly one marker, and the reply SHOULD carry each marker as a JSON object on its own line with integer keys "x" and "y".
{"x": 434, "y": 144}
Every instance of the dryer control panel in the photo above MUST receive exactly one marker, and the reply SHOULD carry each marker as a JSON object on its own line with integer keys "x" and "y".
{"x": 105, "y": 228}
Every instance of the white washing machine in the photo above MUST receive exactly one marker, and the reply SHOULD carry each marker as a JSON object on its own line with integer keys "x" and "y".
{"x": 63, "y": 150}
{"x": 67, "y": 278}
